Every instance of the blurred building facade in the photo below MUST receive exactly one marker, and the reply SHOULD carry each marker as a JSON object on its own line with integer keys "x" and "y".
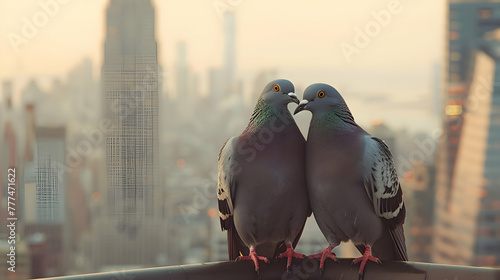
{"x": 48, "y": 193}
{"x": 419, "y": 185}
{"x": 23, "y": 261}
{"x": 130, "y": 91}
{"x": 471, "y": 24}
{"x": 45, "y": 197}
{"x": 466, "y": 186}
{"x": 8, "y": 150}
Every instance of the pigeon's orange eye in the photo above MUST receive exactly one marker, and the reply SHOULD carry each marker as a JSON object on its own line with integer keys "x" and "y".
{"x": 276, "y": 88}
{"x": 321, "y": 94}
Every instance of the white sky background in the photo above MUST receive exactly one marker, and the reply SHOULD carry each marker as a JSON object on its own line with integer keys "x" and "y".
{"x": 300, "y": 38}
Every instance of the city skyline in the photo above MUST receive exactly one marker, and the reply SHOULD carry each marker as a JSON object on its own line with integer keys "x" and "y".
{"x": 128, "y": 102}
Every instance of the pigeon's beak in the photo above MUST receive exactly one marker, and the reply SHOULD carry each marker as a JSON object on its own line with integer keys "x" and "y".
{"x": 302, "y": 106}
{"x": 293, "y": 96}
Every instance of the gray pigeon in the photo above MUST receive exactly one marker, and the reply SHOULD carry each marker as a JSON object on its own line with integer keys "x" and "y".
{"x": 262, "y": 193}
{"x": 353, "y": 186}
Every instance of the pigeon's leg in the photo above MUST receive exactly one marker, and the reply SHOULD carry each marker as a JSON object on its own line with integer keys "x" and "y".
{"x": 290, "y": 253}
{"x": 327, "y": 253}
{"x": 367, "y": 256}
{"x": 254, "y": 257}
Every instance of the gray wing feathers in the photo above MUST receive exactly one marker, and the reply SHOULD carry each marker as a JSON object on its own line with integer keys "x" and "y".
{"x": 382, "y": 186}
{"x": 226, "y": 182}
{"x": 381, "y": 181}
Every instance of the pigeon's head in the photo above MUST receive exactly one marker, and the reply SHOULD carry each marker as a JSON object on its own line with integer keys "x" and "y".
{"x": 279, "y": 92}
{"x": 321, "y": 98}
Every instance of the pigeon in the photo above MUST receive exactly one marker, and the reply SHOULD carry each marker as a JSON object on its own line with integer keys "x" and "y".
{"x": 353, "y": 185}
{"x": 262, "y": 192}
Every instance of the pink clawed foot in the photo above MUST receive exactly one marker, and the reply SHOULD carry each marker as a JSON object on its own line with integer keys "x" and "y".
{"x": 327, "y": 253}
{"x": 254, "y": 257}
{"x": 289, "y": 254}
{"x": 367, "y": 256}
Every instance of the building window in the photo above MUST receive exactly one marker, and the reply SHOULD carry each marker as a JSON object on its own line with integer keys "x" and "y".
{"x": 454, "y": 35}
{"x": 455, "y": 77}
{"x": 453, "y": 110}
{"x": 453, "y": 140}
{"x": 454, "y": 25}
{"x": 453, "y": 14}
{"x": 485, "y": 13}
{"x": 455, "y": 56}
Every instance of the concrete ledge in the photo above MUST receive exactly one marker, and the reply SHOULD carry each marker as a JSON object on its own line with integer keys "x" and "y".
{"x": 301, "y": 270}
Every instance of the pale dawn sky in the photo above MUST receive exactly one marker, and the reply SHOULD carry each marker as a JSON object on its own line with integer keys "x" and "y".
{"x": 276, "y": 33}
{"x": 393, "y": 56}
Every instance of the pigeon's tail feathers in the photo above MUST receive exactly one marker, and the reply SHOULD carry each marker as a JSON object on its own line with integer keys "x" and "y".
{"x": 398, "y": 239}
{"x": 280, "y": 248}
{"x": 390, "y": 246}
{"x": 235, "y": 246}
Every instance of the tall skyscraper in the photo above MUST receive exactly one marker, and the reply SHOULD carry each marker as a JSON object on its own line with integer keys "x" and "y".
{"x": 467, "y": 189}
{"x": 186, "y": 87}
{"x": 44, "y": 195}
{"x": 130, "y": 88}
{"x": 130, "y": 79}
{"x": 230, "y": 50}
{"x": 182, "y": 71}
{"x": 50, "y": 189}
{"x": 223, "y": 80}
{"x": 471, "y": 24}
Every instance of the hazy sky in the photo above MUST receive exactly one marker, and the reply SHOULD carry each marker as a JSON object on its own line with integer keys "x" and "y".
{"x": 301, "y": 38}
{"x": 274, "y": 33}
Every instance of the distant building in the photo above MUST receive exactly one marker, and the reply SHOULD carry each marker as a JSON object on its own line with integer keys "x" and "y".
{"x": 187, "y": 95}
{"x": 8, "y": 153}
{"x": 223, "y": 81}
{"x": 50, "y": 188}
{"x": 420, "y": 203}
{"x": 130, "y": 91}
{"x": 44, "y": 196}
{"x": 45, "y": 102}
{"x": 217, "y": 87}
{"x": 471, "y": 24}
{"x": 182, "y": 72}
{"x": 38, "y": 255}
{"x": 130, "y": 80}
{"x": 22, "y": 261}
{"x": 230, "y": 50}
{"x": 82, "y": 93}
{"x": 54, "y": 250}
{"x": 468, "y": 225}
